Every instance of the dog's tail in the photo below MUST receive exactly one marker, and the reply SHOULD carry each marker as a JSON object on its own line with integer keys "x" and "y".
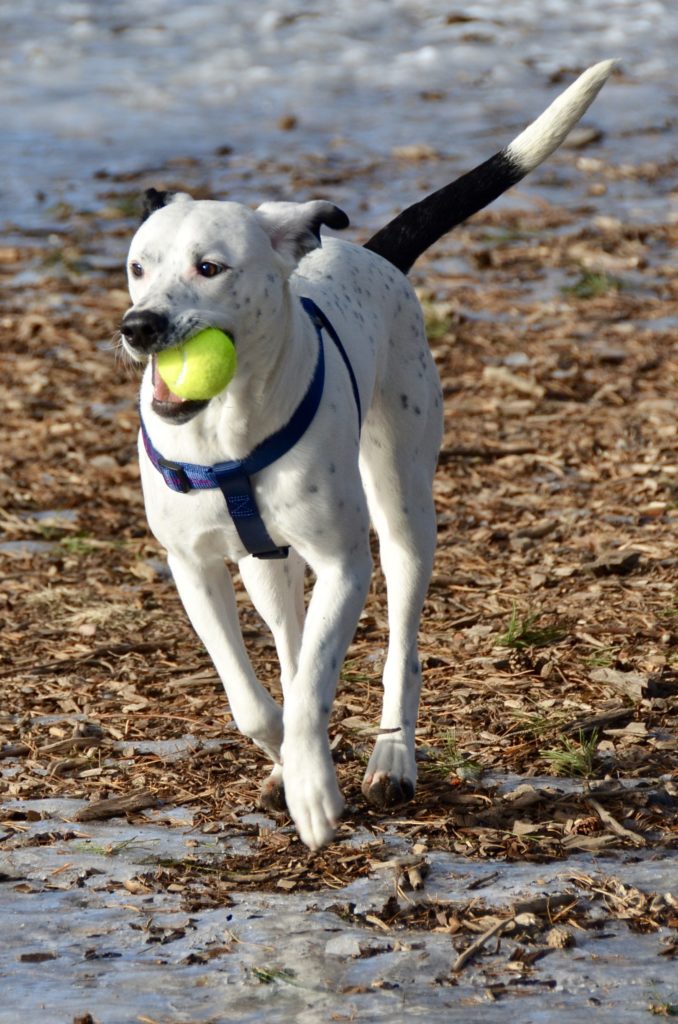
{"x": 411, "y": 233}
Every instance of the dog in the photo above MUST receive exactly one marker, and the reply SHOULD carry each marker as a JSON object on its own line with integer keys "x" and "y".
{"x": 332, "y": 422}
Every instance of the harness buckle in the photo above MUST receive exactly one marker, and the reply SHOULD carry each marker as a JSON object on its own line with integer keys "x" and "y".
{"x": 179, "y": 475}
{"x": 273, "y": 553}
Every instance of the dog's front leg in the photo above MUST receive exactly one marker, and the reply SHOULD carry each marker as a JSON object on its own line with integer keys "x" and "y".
{"x": 311, "y": 789}
{"x": 207, "y": 593}
{"x": 276, "y": 588}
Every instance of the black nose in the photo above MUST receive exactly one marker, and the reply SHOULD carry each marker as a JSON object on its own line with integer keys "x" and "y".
{"x": 144, "y": 330}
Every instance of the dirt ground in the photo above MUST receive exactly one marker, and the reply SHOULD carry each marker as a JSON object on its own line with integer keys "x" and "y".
{"x": 549, "y": 634}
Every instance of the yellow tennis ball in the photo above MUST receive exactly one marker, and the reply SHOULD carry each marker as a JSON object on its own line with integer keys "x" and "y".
{"x": 200, "y": 367}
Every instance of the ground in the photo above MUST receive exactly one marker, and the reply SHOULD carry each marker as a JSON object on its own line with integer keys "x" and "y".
{"x": 549, "y": 635}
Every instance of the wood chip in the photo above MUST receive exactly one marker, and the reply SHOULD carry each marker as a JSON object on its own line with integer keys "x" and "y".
{"x": 634, "y": 685}
{"x": 116, "y": 806}
{"x": 614, "y": 563}
{"x": 559, "y": 937}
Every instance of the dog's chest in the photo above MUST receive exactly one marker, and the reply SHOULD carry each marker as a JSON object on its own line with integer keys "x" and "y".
{"x": 299, "y": 499}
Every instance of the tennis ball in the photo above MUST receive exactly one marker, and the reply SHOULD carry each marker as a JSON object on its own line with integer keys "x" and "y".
{"x": 200, "y": 367}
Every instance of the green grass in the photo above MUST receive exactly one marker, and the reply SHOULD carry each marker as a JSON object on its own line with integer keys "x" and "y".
{"x": 78, "y": 544}
{"x": 67, "y": 258}
{"x": 437, "y": 326}
{"x": 127, "y": 205}
{"x": 268, "y": 976}
{"x": 61, "y": 211}
{"x": 112, "y": 849}
{"x": 573, "y": 758}
{"x": 603, "y": 657}
{"x": 355, "y": 677}
{"x": 671, "y": 611}
{"x": 523, "y": 632}
{"x": 538, "y": 724}
{"x": 589, "y": 285}
{"x": 660, "y": 1008}
{"x": 353, "y": 672}
{"x": 448, "y": 759}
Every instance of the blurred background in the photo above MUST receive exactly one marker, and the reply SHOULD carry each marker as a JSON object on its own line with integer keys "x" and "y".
{"x": 230, "y": 96}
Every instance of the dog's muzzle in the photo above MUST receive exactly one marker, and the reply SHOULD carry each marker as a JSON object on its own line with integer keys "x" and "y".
{"x": 145, "y": 333}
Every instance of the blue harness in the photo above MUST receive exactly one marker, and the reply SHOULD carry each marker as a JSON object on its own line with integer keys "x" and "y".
{"x": 233, "y": 478}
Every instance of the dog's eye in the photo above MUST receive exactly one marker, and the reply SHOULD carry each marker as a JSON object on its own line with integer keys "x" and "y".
{"x": 206, "y": 268}
{"x": 136, "y": 269}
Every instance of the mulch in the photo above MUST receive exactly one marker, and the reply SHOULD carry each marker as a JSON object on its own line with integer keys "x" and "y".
{"x": 549, "y": 634}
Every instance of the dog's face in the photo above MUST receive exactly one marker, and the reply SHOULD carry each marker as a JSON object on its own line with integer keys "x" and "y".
{"x": 196, "y": 264}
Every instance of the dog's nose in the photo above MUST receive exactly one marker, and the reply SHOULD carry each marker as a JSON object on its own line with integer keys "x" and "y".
{"x": 143, "y": 329}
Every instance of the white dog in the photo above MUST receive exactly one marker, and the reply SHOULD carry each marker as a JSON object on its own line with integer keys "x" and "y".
{"x": 332, "y": 421}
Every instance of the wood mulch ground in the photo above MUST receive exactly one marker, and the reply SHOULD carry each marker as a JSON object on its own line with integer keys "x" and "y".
{"x": 549, "y": 634}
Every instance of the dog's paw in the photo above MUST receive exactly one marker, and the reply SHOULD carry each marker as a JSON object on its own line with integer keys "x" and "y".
{"x": 313, "y": 800}
{"x": 317, "y": 820}
{"x": 272, "y": 793}
{"x": 384, "y": 790}
{"x": 391, "y": 773}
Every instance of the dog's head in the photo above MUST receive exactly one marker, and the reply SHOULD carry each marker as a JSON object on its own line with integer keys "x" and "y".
{"x": 200, "y": 263}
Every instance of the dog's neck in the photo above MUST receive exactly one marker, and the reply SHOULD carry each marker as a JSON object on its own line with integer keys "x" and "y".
{"x": 275, "y": 365}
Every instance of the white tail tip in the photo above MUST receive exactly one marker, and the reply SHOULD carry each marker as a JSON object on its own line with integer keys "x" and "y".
{"x": 546, "y": 133}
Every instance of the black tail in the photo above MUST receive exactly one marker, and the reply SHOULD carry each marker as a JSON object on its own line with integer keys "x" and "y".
{"x": 412, "y": 232}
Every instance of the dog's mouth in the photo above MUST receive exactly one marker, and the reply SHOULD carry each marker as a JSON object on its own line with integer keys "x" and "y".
{"x": 169, "y": 406}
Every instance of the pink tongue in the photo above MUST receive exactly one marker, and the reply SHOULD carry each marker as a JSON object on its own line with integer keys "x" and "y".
{"x": 161, "y": 393}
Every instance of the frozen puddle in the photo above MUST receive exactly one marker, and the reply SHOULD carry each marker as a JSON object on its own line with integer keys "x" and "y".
{"x": 80, "y": 936}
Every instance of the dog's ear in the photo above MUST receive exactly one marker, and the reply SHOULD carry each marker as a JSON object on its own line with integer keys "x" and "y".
{"x": 155, "y": 200}
{"x": 294, "y": 228}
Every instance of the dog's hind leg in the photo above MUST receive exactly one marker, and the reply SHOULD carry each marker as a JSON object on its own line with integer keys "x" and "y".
{"x": 397, "y": 463}
{"x": 276, "y": 588}
{"x": 207, "y": 593}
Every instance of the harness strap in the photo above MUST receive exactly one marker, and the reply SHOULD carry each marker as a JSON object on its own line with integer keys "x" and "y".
{"x": 233, "y": 477}
{"x": 320, "y": 320}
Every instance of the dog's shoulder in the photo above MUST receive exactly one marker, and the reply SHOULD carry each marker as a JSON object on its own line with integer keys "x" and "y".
{"x": 341, "y": 264}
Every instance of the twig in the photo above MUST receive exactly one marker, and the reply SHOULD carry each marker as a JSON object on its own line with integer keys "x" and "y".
{"x": 378, "y": 922}
{"x": 398, "y": 863}
{"x": 15, "y": 750}
{"x": 70, "y": 743}
{"x": 541, "y": 905}
{"x": 476, "y": 946}
{"x": 594, "y": 723}
{"x": 480, "y": 883}
{"x": 612, "y": 823}
{"x": 116, "y": 806}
